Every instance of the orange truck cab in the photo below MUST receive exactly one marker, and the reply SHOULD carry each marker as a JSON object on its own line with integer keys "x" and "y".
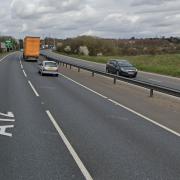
{"x": 31, "y": 48}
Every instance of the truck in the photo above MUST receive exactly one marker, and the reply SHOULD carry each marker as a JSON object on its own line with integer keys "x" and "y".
{"x": 31, "y": 48}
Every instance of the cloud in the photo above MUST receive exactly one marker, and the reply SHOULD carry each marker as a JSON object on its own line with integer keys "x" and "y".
{"x": 67, "y": 18}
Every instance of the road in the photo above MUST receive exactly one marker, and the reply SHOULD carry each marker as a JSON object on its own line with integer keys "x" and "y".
{"x": 166, "y": 81}
{"x": 56, "y": 129}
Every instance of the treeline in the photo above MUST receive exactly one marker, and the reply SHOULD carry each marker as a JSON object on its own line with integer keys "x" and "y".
{"x": 14, "y": 43}
{"x": 94, "y": 46}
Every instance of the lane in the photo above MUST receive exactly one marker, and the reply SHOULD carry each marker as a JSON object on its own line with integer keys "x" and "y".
{"x": 112, "y": 142}
{"x": 35, "y": 150}
{"x": 143, "y": 76}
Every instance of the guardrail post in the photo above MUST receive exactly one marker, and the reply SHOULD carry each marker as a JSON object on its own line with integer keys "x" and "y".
{"x": 114, "y": 80}
{"x": 63, "y": 64}
{"x": 70, "y": 66}
{"x": 78, "y": 69}
{"x": 151, "y": 92}
{"x": 92, "y": 73}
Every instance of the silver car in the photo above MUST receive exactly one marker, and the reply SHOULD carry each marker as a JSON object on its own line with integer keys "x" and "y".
{"x": 48, "y": 67}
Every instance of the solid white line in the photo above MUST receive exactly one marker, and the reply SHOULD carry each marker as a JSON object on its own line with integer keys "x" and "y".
{"x": 34, "y": 90}
{"x": 160, "y": 75}
{"x": 70, "y": 148}
{"x": 154, "y": 80}
{"x": 128, "y": 109}
{"x": 146, "y": 118}
{"x": 24, "y": 73}
{"x": 84, "y": 86}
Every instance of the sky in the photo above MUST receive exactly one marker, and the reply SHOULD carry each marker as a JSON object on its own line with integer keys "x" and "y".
{"x": 102, "y": 18}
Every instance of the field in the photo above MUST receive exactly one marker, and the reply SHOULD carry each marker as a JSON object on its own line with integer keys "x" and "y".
{"x": 168, "y": 64}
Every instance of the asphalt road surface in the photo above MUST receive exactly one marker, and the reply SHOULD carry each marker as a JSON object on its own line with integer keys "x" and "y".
{"x": 166, "y": 81}
{"x": 53, "y": 129}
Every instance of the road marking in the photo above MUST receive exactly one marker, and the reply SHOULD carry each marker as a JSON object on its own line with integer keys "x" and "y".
{"x": 84, "y": 86}
{"x": 70, "y": 148}
{"x": 34, "y": 90}
{"x": 144, "y": 117}
{"x": 6, "y": 57}
{"x": 7, "y": 120}
{"x": 3, "y": 130}
{"x": 154, "y": 80}
{"x": 9, "y": 115}
{"x": 128, "y": 109}
{"x": 24, "y": 73}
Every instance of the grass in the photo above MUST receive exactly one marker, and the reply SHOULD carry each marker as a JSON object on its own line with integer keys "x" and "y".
{"x": 3, "y": 54}
{"x": 167, "y": 64}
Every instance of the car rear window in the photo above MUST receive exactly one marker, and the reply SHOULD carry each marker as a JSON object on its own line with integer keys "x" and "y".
{"x": 50, "y": 64}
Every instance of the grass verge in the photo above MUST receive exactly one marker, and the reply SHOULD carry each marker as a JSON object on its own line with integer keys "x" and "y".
{"x": 167, "y": 64}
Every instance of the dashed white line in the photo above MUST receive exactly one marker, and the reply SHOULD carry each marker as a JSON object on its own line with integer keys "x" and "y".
{"x": 124, "y": 107}
{"x": 70, "y": 148}
{"x": 34, "y": 90}
{"x": 24, "y": 73}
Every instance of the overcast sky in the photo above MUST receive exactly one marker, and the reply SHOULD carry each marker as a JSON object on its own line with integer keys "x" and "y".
{"x": 104, "y": 18}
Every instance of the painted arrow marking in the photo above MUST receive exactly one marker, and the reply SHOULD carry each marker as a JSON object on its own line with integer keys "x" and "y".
{"x": 9, "y": 115}
{"x": 3, "y": 130}
{"x": 7, "y": 120}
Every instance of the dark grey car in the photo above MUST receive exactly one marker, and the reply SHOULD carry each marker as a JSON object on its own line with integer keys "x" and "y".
{"x": 121, "y": 68}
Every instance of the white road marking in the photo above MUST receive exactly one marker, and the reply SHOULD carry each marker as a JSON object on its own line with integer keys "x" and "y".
{"x": 6, "y": 57}
{"x": 155, "y": 80}
{"x": 3, "y": 130}
{"x": 70, "y": 148}
{"x": 128, "y": 109}
{"x": 24, "y": 73}
{"x": 9, "y": 115}
{"x": 144, "y": 117}
{"x": 34, "y": 90}
{"x": 84, "y": 86}
{"x": 7, "y": 120}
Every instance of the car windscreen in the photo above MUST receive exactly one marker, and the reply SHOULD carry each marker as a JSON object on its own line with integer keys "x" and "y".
{"x": 50, "y": 64}
{"x": 125, "y": 64}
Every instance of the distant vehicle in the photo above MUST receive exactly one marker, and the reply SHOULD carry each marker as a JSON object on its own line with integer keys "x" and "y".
{"x": 31, "y": 48}
{"x": 48, "y": 67}
{"x": 121, "y": 68}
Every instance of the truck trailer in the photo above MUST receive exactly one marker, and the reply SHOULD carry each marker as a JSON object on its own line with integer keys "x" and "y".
{"x": 31, "y": 48}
